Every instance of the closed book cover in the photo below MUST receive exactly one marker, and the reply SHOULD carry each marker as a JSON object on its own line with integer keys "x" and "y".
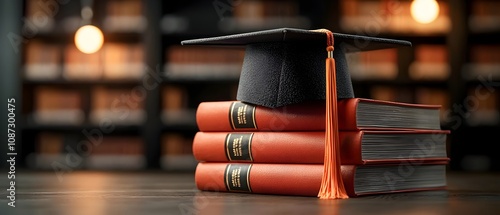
{"x": 305, "y": 179}
{"x": 357, "y": 147}
{"x": 353, "y": 114}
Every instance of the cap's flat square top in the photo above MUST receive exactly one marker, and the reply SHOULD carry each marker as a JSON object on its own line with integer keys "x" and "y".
{"x": 291, "y": 35}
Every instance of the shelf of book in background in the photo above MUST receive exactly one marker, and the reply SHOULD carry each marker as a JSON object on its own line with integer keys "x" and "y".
{"x": 258, "y": 15}
{"x": 116, "y": 105}
{"x": 57, "y": 106}
{"x": 47, "y": 18}
{"x": 234, "y": 17}
{"x": 385, "y": 93}
{"x": 32, "y": 14}
{"x": 481, "y": 73}
{"x": 390, "y": 17}
{"x": 373, "y": 65}
{"x": 110, "y": 153}
{"x": 117, "y": 153}
{"x": 203, "y": 63}
{"x": 175, "y": 110}
{"x": 80, "y": 66}
{"x": 435, "y": 96}
{"x": 124, "y": 17}
{"x": 123, "y": 61}
{"x": 48, "y": 151}
{"x": 42, "y": 61}
{"x": 483, "y": 106}
{"x": 430, "y": 64}
{"x": 484, "y": 65}
{"x": 484, "y": 17}
{"x": 116, "y": 61}
{"x": 177, "y": 153}
{"x": 53, "y": 149}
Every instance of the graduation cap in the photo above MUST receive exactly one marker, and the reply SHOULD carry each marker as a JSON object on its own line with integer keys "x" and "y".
{"x": 287, "y": 66}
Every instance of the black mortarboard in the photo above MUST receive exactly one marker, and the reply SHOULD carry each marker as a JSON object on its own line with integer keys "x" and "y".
{"x": 286, "y": 66}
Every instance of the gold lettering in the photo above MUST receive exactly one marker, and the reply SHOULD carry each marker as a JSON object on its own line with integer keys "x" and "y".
{"x": 242, "y": 119}
{"x": 237, "y": 147}
{"x": 240, "y": 109}
{"x": 240, "y": 152}
{"x": 244, "y": 115}
{"x": 235, "y": 177}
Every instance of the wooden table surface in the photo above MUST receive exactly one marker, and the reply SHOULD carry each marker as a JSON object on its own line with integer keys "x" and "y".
{"x": 157, "y": 192}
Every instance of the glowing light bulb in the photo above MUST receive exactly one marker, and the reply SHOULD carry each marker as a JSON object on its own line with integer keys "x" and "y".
{"x": 424, "y": 11}
{"x": 89, "y": 39}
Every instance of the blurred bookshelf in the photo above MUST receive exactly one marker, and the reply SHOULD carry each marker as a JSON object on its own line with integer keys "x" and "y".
{"x": 480, "y": 74}
{"x": 454, "y": 62}
{"x": 84, "y": 111}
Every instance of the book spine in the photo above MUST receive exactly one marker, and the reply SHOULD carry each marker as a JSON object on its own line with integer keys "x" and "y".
{"x": 273, "y": 147}
{"x": 237, "y": 116}
{"x": 286, "y": 179}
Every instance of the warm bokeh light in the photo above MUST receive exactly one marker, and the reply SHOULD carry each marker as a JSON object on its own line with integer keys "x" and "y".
{"x": 424, "y": 11}
{"x": 89, "y": 39}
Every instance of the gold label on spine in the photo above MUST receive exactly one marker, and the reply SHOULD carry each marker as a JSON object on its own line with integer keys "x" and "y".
{"x": 242, "y": 116}
{"x": 238, "y": 146}
{"x": 236, "y": 177}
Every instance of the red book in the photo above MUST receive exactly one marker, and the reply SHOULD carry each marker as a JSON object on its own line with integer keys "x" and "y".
{"x": 354, "y": 114}
{"x": 305, "y": 179}
{"x": 357, "y": 147}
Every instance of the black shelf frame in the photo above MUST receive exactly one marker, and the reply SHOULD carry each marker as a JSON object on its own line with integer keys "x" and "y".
{"x": 10, "y": 59}
{"x": 151, "y": 130}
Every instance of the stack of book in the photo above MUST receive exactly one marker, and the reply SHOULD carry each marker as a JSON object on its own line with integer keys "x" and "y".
{"x": 386, "y": 147}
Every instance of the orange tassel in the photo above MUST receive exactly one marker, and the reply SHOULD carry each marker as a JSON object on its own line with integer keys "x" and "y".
{"x": 332, "y": 186}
